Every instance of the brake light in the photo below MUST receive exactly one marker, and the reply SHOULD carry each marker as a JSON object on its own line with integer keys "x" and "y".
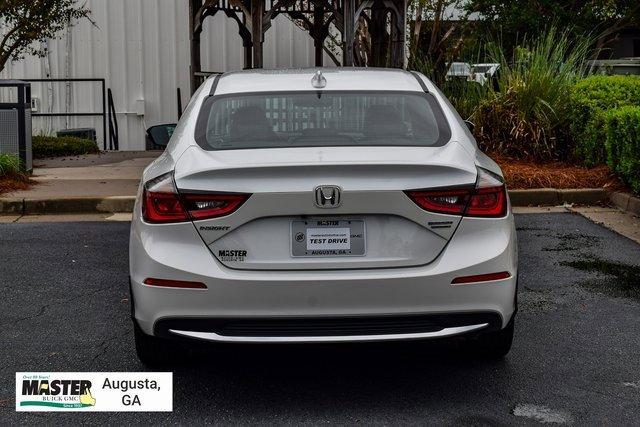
{"x": 487, "y": 200}
{"x": 451, "y": 202}
{"x": 212, "y": 205}
{"x": 162, "y": 203}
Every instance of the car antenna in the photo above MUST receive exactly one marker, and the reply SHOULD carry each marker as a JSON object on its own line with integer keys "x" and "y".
{"x": 318, "y": 81}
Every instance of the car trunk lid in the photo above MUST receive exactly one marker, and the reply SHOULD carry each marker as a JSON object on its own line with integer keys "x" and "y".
{"x": 283, "y": 227}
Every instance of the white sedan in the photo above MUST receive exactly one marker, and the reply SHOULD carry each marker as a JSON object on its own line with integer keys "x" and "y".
{"x": 329, "y": 205}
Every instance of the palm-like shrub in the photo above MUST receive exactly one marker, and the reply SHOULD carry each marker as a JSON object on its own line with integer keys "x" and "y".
{"x": 528, "y": 114}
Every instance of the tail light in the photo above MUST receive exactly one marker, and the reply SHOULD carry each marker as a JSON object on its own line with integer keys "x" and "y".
{"x": 452, "y": 202}
{"x": 488, "y": 199}
{"x": 162, "y": 203}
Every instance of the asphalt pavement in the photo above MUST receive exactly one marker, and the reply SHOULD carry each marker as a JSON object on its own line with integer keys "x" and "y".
{"x": 575, "y": 360}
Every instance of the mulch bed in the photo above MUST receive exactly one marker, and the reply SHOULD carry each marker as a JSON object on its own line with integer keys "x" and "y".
{"x": 520, "y": 174}
{"x": 14, "y": 182}
{"x": 524, "y": 174}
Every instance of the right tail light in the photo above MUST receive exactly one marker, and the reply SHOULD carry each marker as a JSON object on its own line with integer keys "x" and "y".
{"x": 487, "y": 200}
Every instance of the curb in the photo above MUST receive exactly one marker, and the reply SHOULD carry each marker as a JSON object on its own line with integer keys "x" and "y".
{"x": 124, "y": 204}
{"x": 77, "y": 205}
{"x": 555, "y": 197}
{"x": 626, "y": 202}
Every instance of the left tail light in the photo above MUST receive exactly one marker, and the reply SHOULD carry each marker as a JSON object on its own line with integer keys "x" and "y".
{"x": 162, "y": 203}
{"x": 487, "y": 200}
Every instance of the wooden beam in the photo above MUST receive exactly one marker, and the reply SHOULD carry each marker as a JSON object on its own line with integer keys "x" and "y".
{"x": 257, "y": 32}
{"x": 348, "y": 33}
{"x": 280, "y": 5}
{"x": 378, "y": 34}
{"x": 318, "y": 33}
{"x": 247, "y": 45}
{"x": 245, "y": 35}
{"x": 399, "y": 34}
{"x": 194, "y": 44}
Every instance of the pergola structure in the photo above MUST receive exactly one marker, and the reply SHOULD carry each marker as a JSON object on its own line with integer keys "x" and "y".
{"x": 372, "y": 32}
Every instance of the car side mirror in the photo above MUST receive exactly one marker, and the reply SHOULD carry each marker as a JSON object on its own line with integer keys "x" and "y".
{"x": 470, "y": 125}
{"x": 158, "y": 136}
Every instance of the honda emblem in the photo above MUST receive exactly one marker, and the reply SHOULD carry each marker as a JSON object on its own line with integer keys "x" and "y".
{"x": 328, "y": 196}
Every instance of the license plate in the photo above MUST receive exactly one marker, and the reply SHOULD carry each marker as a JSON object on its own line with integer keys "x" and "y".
{"x": 327, "y": 238}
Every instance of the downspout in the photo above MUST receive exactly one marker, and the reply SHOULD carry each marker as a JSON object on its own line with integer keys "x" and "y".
{"x": 50, "y": 95}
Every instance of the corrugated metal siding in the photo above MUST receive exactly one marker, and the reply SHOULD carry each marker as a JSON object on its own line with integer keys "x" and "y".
{"x": 141, "y": 48}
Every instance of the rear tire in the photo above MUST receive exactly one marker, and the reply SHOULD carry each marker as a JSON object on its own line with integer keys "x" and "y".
{"x": 153, "y": 351}
{"x": 494, "y": 345}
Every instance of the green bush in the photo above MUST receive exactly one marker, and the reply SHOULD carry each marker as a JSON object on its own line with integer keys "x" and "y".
{"x": 51, "y": 146}
{"x": 9, "y": 164}
{"x": 622, "y": 130}
{"x": 591, "y": 98}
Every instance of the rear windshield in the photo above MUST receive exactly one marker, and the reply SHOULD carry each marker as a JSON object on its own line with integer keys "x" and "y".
{"x": 308, "y": 119}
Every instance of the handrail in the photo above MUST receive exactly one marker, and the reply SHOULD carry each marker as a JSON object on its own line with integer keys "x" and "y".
{"x": 179, "y": 95}
{"x": 114, "y": 142}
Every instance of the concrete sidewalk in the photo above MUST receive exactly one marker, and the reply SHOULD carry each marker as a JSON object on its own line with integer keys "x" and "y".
{"x": 91, "y": 176}
{"x": 108, "y": 182}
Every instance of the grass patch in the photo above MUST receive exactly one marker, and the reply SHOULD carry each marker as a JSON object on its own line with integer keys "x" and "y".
{"x": 52, "y": 146}
{"x": 9, "y": 164}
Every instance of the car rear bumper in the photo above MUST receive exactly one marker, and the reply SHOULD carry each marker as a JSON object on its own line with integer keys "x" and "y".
{"x": 176, "y": 252}
{"x": 326, "y": 329}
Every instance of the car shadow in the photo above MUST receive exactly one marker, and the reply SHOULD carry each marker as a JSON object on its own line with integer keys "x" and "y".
{"x": 352, "y": 377}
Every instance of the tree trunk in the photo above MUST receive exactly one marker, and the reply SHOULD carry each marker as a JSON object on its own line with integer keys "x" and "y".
{"x": 417, "y": 26}
{"x": 437, "y": 20}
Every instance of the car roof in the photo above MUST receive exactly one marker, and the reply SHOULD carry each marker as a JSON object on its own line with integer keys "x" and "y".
{"x": 262, "y": 80}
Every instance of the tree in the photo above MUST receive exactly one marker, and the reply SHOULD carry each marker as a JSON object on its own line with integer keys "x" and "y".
{"x": 511, "y": 20}
{"x": 23, "y": 23}
{"x": 438, "y": 35}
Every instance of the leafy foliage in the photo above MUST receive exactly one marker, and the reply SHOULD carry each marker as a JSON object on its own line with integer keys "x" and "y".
{"x": 28, "y": 22}
{"x": 12, "y": 177}
{"x": 438, "y": 35}
{"x": 9, "y": 164}
{"x": 591, "y": 98}
{"x": 466, "y": 96}
{"x": 51, "y": 146}
{"x": 622, "y": 128}
{"x": 512, "y": 20}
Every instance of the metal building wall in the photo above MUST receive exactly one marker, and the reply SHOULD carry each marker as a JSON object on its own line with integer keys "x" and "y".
{"x": 141, "y": 48}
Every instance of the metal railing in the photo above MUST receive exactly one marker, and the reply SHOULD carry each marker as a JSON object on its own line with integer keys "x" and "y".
{"x": 102, "y": 114}
{"x": 114, "y": 139}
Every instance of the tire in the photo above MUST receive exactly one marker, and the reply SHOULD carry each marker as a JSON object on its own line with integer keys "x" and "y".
{"x": 154, "y": 351}
{"x": 494, "y": 345}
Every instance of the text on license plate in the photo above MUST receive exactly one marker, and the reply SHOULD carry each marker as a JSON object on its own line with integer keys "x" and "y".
{"x": 328, "y": 238}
